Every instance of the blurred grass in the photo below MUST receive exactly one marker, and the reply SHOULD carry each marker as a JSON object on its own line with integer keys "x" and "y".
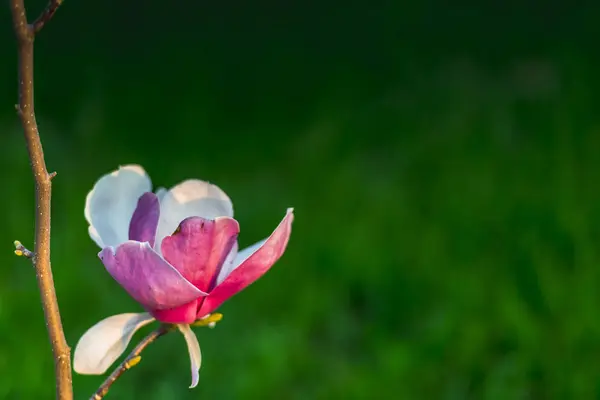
{"x": 455, "y": 261}
{"x": 445, "y": 242}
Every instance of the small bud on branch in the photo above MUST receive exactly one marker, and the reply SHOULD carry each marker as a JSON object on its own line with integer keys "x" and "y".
{"x": 21, "y": 250}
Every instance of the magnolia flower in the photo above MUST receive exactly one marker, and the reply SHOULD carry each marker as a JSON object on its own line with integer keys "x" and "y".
{"x": 175, "y": 252}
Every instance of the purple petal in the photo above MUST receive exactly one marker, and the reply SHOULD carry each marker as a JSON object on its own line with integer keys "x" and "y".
{"x": 144, "y": 221}
{"x": 252, "y": 267}
{"x": 148, "y": 278}
{"x": 198, "y": 248}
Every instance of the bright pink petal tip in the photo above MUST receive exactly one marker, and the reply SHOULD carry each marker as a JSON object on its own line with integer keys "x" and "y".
{"x": 252, "y": 268}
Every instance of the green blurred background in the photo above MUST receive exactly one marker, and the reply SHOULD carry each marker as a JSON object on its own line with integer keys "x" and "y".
{"x": 443, "y": 160}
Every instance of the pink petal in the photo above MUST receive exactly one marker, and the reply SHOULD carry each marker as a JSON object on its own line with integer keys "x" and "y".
{"x": 252, "y": 267}
{"x": 198, "y": 248}
{"x": 185, "y": 314}
{"x": 144, "y": 221}
{"x": 149, "y": 279}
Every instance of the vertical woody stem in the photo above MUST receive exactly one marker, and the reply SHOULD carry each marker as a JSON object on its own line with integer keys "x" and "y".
{"x": 25, "y": 34}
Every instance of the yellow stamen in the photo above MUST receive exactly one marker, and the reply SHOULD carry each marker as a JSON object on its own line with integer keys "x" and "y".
{"x": 210, "y": 321}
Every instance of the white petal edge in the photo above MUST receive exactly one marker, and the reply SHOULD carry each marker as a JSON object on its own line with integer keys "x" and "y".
{"x": 237, "y": 260}
{"x": 190, "y": 198}
{"x": 110, "y": 204}
{"x": 95, "y": 236}
{"x": 194, "y": 351}
{"x": 160, "y": 193}
{"x": 104, "y": 342}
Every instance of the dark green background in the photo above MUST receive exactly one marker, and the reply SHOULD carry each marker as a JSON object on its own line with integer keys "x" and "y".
{"x": 443, "y": 160}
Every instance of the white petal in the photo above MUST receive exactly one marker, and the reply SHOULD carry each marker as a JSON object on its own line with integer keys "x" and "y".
{"x": 191, "y": 198}
{"x": 160, "y": 193}
{"x": 194, "y": 350}
{"x": 238, "y": 258}
{"x": 104, "y": 342}
{"x": 95, "y": 236}
{"x": 109, "y": 206}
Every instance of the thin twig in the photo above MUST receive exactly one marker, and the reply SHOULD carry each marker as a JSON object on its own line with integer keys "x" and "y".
{"x": 131, "y": 360}
{"x": 46, "y": 15}
{"x": 25, "y": 34}
{"x": 134, "y": 357}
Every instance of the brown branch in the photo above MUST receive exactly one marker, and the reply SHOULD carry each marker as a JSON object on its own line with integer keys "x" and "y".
{"x": 25, "y": 34}
{"x": 131, "y": 360}
{"x": 46, "y": 15}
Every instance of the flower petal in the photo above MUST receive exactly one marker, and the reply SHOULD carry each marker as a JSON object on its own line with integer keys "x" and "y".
{"x": 252, "y": 267}
{"x": 104, "y": 342}
{"x": 147, "y": 277}
{"x": 194, "y": 350}
{"x": 185, "y": 314}
{"x": 160, "y": 193}
{"x": 234, "y": 260}
{"x": 144, "y": 221}
{"x": 230, "y": 262}
{"x": 110, "y": 204}
{"x": 198, "y": 248}
{"x": 191, "y": 198}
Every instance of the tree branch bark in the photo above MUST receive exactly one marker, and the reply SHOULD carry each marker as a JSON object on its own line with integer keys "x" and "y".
{"x": 40, "y": 257}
